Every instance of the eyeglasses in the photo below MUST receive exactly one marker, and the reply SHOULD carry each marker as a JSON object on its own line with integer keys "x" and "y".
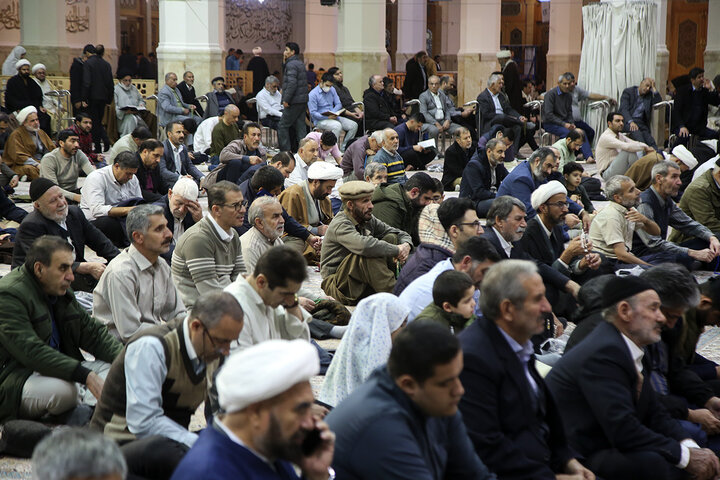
{"x": 558, "y": 204}
{"x": 476, "y": 224}
{"x": 237, "y": 206}
{"x": 222, "y": 342}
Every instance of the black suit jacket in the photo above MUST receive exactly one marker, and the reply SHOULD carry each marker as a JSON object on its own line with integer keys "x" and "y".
{"x": 80, "y": 231}
{"x": 683, "y": 115}
{"x": 168, "y": 169}
{"x": 188, "y": 95}
{"x": 414, "y": 83}
{"x": 513, "y": 86}
{"x": 97, "y": 80}
{"x": 20, "y": 94}
{"x": 550, "y": 276}
{"x": 476, "y": 182}
{"x": 546, "y": 250}
{"x": 76, "y": 80}
{"x": 377, "y": 109}
{"x": 456, "y": 159}
{"x": 159, "y": 189}
{"x": 627, "y": 105}
{"x": 517, "y": 434}
{"x": 598, "y": 384}
{"x": 486, "y": 109}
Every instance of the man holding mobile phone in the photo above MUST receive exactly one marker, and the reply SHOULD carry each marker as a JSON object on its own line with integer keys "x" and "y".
{"x": 268, "y": 423}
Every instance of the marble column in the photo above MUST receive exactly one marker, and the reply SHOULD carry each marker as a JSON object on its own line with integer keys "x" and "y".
{"x": 361, "y": 43}
{"x": 411, "y": 30}
{"x": 477, "y": 53}
{"x": 450, "y": 33}
{"x": 565, "y": 44}
{"x": 190, "y": 33}
{"x": 712, "y": 49}
{"x": 42, "y": 31}
{"x": 321, "y": 34}
{"x": 662, "y": 65}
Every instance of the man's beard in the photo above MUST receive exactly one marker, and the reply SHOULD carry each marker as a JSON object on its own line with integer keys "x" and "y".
{"x": 358, "y": 214}
{"x": 273, "y": 233}
{"x": 55, "y": 216}
{"x": 276, "y": 448}
{"x": 539, "y": 174}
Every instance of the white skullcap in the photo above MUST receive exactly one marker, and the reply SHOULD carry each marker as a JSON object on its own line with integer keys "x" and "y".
{"x": 711, "y": 143}
{"x": 503, "y": 54}
{"x": 685, "y": 156}
{"x": 264, "y": 371}
{"x": 324, "y": 171}
{"x": 38, "y": 66}
{"x": 23, "y": 114}
{"x": 257, "y": 50}
{"x": 545, "y": 191}
{"x": 21, "y": 62}
{"x": 186, "y": 188}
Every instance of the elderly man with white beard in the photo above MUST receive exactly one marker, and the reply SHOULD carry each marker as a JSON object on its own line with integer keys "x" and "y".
{"x": 53, "y": 216}
{"x": 268, "y": 225}
{"x": 27, "y": 144}
{"x": 40, "y": 76}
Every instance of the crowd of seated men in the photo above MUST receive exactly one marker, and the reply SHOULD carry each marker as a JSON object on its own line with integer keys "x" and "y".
{"x": 457, "y": 303}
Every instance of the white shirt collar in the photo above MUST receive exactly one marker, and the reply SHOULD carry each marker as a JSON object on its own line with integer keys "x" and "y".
{"x": 507, "y": 246}
{"x": 224, "y": 236}
{"x": 635, "y": 352}
{"x": 192, "y": 355}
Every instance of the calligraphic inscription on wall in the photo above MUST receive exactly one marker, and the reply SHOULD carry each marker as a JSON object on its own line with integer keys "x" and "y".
{"x": 270, "y": 21}
{"x": 10, "y": 14}
{"x": 77, "y": 16}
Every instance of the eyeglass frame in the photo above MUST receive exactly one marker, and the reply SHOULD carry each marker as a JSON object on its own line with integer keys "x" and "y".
{"x": 237, "y": 205}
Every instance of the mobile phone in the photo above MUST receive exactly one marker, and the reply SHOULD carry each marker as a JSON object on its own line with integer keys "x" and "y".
{"x": 312, "y": 442}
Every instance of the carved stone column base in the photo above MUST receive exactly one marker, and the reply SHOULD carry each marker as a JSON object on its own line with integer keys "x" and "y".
{"x": 357, "y": 68}
{"x": 473, "y": 73}
{"x": 557, "y": 64}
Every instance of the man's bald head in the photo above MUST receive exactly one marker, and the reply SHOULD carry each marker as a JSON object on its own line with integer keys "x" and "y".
{"x": 231, "y": 114}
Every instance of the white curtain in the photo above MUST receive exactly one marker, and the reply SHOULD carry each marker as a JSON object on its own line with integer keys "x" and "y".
{"x": 619, "y": 49}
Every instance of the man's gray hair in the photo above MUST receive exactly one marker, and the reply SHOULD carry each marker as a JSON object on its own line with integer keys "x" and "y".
{"x": 373, "y": 168}
{"x": 138, "y": 220}
{"x": 504, "y": 281}
{"x": 167, "y": 76}
{"x": 271, "y": 79}
{"x": 614, "y": 185}
{"x": 378, "y": 136}
{"x": 77, "y": 453}
{"x": 212, "y": 307}
{"x": 674, "y": 284}
{"x": 257, "y": 209}
{"x": 541, "y": 153}
{"x": 491, "y": 144}
{"x": 371, "y": 80}
{"x": 460, "y": 132}
{"x": 567, "y": 76}
{"x": 501, "y": 208}
{"x": 494, "y": 78}
{"x": 663, "y": 168}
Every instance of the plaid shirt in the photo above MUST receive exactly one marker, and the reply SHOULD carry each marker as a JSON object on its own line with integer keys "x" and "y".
{"x": 86, "y": 143}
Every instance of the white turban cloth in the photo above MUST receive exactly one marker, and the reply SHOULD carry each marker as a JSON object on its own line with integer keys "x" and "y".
{"x": 37, "y": 66}
{"x": 23, "y": 114}
{"x": 324, "y": 171}
{"x": 685, "y": 156}
{"x": 264, "y": 371}
{"x": 21, "y": 62}
{"x": 545, "y": 191}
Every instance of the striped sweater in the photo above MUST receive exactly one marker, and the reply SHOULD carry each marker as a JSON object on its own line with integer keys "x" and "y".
{"x": 202, "y": 262}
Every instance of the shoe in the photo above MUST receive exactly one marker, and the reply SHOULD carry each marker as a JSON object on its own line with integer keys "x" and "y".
{"x": 18, "y": 438}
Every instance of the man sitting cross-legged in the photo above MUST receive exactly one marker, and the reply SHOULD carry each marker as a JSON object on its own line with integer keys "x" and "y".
{"x": 159, "y": 380}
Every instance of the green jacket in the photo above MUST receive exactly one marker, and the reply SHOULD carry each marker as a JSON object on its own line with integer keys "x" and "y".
{"x": 25, "y": 331}
{"x": 393, "y": 206}
{"x": 436, "y": 314}
{"x": 701, "y": 201}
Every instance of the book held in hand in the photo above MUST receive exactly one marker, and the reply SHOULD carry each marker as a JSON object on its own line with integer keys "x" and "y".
{"x": 427, "y": 143}
{"x": 337, "y": 114}
{"x": 133, "y": 107}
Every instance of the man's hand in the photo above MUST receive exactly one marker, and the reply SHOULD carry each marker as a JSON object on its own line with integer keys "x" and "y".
{"x": 15, "y": 179}
{"x": 633, "y": 127}
{"x": 315, "y": 466}
{"x": 591, "y": 261}
{"x": 191, "y": 155}
{"x": 633, "y": 215}
{"x": 439, "y": 126}
{"x": 706, "y": 419}
{"x": 649, "y": 149}
{"x": 195, "y": 211}
{"x": 684, "y": 132}
{"x": 705, "y": 255}
{"x": 307, "y": 304}
{"x": 254, "y": 159}
{"x": 417, "y": 148}
{"x": 285, "y": 104}
{"x": 703, "y": 464}
{"x": 571, "y": 220}
{"x": 467, "y": 111}
{"x": 76, "y": 197}
{"x": 569, "y": 126}
{"x": 559, "y": 329}
{"x": 95, "y": 384}
{"x": 572, "y": 287}
{"x": 446, "y": 124}
{"x": 574, "y": 467}
{"x": 332, "y": 117}
{"x": 315, "y": 242}
{"x": 403, "y": 252}
{"x": 576, "y": 198}
{"x": 322, "y": 229}
{"x": 522, "y": 118}
{"x": 714, "y": 245}
{"x": 587, "y": 219}
{"x": 192, "y": 107}
{"x": 95, "y": 269}
{"x": 185, "y": 111}
{"x": 393, "y": 120}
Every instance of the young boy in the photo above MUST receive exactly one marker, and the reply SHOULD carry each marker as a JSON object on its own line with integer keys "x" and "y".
{"x": 573, "y": 175}
{"x": 439, "y": 194}
{"x": 453, "y": 301}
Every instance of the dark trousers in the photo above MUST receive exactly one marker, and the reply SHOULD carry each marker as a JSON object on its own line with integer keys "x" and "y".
{"x": 511, "y": 122}
{"x": 233, "y": 171}
{"x": 616, "y": 465}
{"x": 114, "y": 229}
{"x": 483, "y": 207}
{"x": 294, "y": 115}
{"x": 271, "y": 121}
{"x": 96, "y": 109}
{"x": 418, "y": 159}
{"x": 468, "y": 123}
{"x": 153, "y": 457}
{"x": 642, "y": 134}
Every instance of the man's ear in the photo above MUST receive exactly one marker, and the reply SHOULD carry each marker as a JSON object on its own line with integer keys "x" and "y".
{"x": 447, "y": 307}
{"x": 407, "y": 384}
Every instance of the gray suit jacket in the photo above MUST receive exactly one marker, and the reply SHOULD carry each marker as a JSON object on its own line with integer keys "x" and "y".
{"x": 428, "y": 107}
{"x": 167, "y": 107}
{"x": 212, "y": 109}
{"x": 168, "y": 170}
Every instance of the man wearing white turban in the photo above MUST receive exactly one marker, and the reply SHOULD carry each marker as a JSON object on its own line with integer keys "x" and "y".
{"x": 27, "y": 144}
{"x": 308, "y": 203}
{"x": 159, "y": 380}
{"x": 267, "y": 423}
{"x": 22, "y": 91}
{"x": 40, "y": 76}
